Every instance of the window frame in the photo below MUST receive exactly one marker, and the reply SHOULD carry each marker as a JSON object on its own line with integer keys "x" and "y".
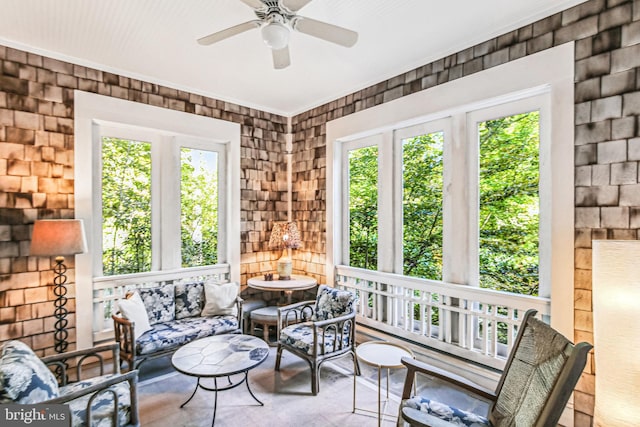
{"x": 549, "y": 71}
{"x": 93, "y": 111}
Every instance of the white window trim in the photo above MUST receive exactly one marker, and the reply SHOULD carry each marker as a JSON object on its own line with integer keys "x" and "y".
{"x": 92, "y": 110}
{"x": 550, "y": 70}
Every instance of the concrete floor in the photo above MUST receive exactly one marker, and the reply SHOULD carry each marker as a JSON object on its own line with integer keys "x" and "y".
{"x": 286, "y": 396}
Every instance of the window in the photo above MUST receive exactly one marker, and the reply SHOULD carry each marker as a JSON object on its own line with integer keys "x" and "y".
{"x": 471, "y": 195}
{"x": 199, "y": 206}
{"x": 158, "y": 190}
{"x": 509, "y": 203}
{"x": 362, "y": 194}
{"x": 422, "y": 215}
{"x": 126, "y": 206}
{"x": 540, "y": 82}
{"x": 140, "y": 216}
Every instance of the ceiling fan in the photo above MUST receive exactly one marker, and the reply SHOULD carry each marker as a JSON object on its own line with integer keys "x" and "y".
{"x": 277, "y": 18}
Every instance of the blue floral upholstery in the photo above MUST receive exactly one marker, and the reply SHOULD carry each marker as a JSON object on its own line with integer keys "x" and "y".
{"x": 189, "y": 299}
{"x": 160, "y": 303}
{"x": 331, "y": 303}
{"x": 300, "y": 336}
{"x": 165, "y": 336}
{"x": 102, "y": 406}
{"x": 453, "y": 415}
{"x": 24, "y": 378}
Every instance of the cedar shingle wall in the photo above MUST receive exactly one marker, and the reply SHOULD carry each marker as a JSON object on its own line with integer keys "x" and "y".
{"x": 37, "y": 176}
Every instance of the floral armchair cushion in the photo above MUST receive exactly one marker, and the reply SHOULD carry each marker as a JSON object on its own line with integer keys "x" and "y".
{"x": 455, "y": 416}
{"x": 300, "y": 336}
{"x": 189, "y": 299}
{"x": 24, "y": 378}
{"x": 102, "y": 405}
{"x": 160, "y": 303}
{"x": 332, "y": 302}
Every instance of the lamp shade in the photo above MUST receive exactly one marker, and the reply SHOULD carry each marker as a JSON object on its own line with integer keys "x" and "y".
{"x": 285, "y": 235}
{"x": 58, "y": 237}
{"x": 616, "y": 293}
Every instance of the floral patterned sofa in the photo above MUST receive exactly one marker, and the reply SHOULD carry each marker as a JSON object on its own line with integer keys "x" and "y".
{"x": 154, "y": 322}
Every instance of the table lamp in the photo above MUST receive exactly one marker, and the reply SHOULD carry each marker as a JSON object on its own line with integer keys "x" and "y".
{"x": 59, "y": 237}
{"x": 285, "y": 235}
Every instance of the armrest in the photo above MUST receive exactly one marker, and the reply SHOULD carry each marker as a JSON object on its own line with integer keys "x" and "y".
{"x": 131, "y": 376}
{"x": 83, "y": 355}
{"x": 299, "y": 311}
{"x": 84, "y": 352}
{"x": 415, "y": 366}
{"x": 334, "y": 320}
{"x": 239, "y": 316}
{"x": 124, "y": 331}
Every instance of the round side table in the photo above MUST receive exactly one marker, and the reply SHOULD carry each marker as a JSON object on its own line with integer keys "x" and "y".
{"x": 296, "y": 283}
{"x": 381, "y": 355}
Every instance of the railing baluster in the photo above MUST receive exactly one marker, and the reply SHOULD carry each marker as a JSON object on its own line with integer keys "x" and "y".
{"x": 404, "y": 306}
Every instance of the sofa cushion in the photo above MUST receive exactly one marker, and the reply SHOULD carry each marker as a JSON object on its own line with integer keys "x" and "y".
{"x": 132, "y": 308}
{"x": 189, "y": 299}
{"x": 166, "y": 336}
{"x": 102, "y": 406}
{"x": 220, "y": 300}
{"x": 332, "y": 302}
{"x": 24, "y": 378}
{"x": 160, "y": 303}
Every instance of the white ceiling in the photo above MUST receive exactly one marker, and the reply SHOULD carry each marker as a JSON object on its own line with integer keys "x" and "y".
{"x": 155, "y": 40}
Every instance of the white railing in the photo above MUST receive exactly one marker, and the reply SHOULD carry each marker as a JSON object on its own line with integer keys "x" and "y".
{"x": 108, "y": 290}
{"x": 469, "y": 322}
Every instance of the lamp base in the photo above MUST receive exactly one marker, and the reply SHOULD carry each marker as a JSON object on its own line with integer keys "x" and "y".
{"x": 284, "y": 266}
{"x": 60, "y": 313}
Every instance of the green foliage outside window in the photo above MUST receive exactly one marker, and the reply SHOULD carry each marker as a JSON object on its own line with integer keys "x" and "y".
{"x": 363, "y": 208}
{"x": 199, "y": 202}
{"x": 422, "y": 205}
{"x": 509, "y": 203}
{"x": 126, "y": 206}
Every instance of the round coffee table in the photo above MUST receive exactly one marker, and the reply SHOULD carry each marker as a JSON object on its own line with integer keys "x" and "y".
{"x": 220, "y": 356}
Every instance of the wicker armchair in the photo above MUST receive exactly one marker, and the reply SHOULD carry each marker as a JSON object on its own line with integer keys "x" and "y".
{"x": 542, "y": 369}
{"x": 319, "y": 330}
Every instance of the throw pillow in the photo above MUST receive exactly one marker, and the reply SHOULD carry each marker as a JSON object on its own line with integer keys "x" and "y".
{"x": 160, "y": 303}
{"x": 133, "y": 308}
{"x": 332, "y": 302}
{"x": 24, "y": 378}
{"x": 189, "y": 299}
{"x": 220, "y": 300}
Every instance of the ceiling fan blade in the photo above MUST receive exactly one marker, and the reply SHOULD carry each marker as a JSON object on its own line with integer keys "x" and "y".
{"x": 231, "y": 31}
{"x": 294, "y": 5}
{"x": 324, "y": 31}
{"x": 255, "y": 4}
{"x": 281, "y": 58}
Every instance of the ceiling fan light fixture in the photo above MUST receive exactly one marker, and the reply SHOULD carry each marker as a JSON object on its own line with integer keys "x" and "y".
{"x": 275, "y": 35}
